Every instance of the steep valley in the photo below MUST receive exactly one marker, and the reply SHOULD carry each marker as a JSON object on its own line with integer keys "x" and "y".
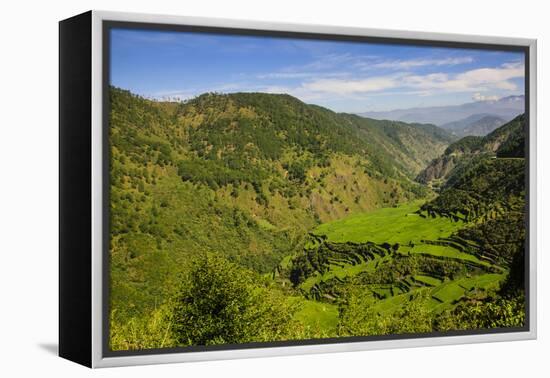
{"x": 349, "y": 224}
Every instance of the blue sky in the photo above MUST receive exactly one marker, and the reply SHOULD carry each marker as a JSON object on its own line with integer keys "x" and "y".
{"x": 342, "y": 76}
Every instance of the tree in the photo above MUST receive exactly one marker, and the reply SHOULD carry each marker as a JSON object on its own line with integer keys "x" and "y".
{"x": 296, "y": 171}
{"x": 488, "y": 313}
{"x": 514, "y": 285}
{"x": 359, "y": 317}
{"x": 220, "y": 303}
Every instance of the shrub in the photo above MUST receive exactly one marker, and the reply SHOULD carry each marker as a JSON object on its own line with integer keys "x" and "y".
{"x": 219, "y": 303}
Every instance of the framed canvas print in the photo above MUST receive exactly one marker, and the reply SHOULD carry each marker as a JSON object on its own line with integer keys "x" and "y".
{"x": 236, "y": 189}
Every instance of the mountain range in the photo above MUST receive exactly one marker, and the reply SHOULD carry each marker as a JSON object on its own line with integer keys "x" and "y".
{"x": 459, "y": 119}
{"x": 245, "y": 175}
{"x": 476, "y": 124}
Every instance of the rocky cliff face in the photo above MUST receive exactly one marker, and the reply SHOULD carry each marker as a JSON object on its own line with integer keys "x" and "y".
{"x": 439, "y": 168}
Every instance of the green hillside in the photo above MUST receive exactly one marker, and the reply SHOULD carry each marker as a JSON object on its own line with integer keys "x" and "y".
{"x": 440, "y": 261}
{"x": 506, "y": 141}
{"x": 271, "y": 219}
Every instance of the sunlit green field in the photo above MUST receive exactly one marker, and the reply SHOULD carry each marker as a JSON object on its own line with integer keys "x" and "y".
{"x": 388, "y": 225}
{"x": 414, "y": 234}
{"x": 318, "y": 315}
{"x": 443, "y": 251}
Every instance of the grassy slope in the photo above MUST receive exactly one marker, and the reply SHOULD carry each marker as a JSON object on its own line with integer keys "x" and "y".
{"x": 318, "y": 315}
{"x": 391, "y": 225}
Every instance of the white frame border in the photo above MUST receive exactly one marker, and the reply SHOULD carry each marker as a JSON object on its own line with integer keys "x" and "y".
{"x": 97, "y": 199}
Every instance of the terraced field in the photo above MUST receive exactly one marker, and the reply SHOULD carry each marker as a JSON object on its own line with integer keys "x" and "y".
{"x": 389, "y": 225}
{"x": 400, "y": 255}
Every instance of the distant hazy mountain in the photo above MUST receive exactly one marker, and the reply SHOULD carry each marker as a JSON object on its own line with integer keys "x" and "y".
{"x": 505, "y": 108}
{"x": 477, "y": 124}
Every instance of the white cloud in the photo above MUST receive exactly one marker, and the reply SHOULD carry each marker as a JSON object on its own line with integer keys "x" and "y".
{"x": 477, "y": 80}
{"x": 480, "y": 97}
{"x": 342, "y": 62}
{"x": 327, "y": 61}
{"x": 319, "y": 87}
{"x": 331, "y": 62}
{"x": 341, "y": 87}
{"x": 412, "y": 63}
{"x": 490, "y": 77}
{"x": 300, "y": 75}
{"x": 275, "y": 89}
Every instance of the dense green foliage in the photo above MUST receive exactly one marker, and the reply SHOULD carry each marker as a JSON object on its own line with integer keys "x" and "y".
{"x": 220, "y": 303}
{"x": 465, "y": 145}
{"x": 359, "y": 316}
{"x": 448, "y": 260}
{"x": 255, "y": 217}
{"x": 485, "y": 314}
{"x": 513, "y": 146}
{"x": 485, "y": 188}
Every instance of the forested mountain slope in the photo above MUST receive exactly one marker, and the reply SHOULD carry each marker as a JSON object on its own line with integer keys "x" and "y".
{"x": 453, "y": 262}
{"x": 256, "y": 217}
{"x": 245, "y": 176}
{"x": 506, "y": 141}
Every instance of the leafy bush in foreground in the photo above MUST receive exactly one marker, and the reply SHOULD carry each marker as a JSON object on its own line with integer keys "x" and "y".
{"x": 496, "y": 313}
{"x": 219, "y": 303}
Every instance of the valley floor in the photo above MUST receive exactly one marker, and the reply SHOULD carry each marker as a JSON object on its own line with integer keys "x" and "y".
{"x": 359, "y": 249}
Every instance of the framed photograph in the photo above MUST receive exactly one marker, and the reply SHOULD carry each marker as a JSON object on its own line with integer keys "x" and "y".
{"x": 234, "y": 189}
